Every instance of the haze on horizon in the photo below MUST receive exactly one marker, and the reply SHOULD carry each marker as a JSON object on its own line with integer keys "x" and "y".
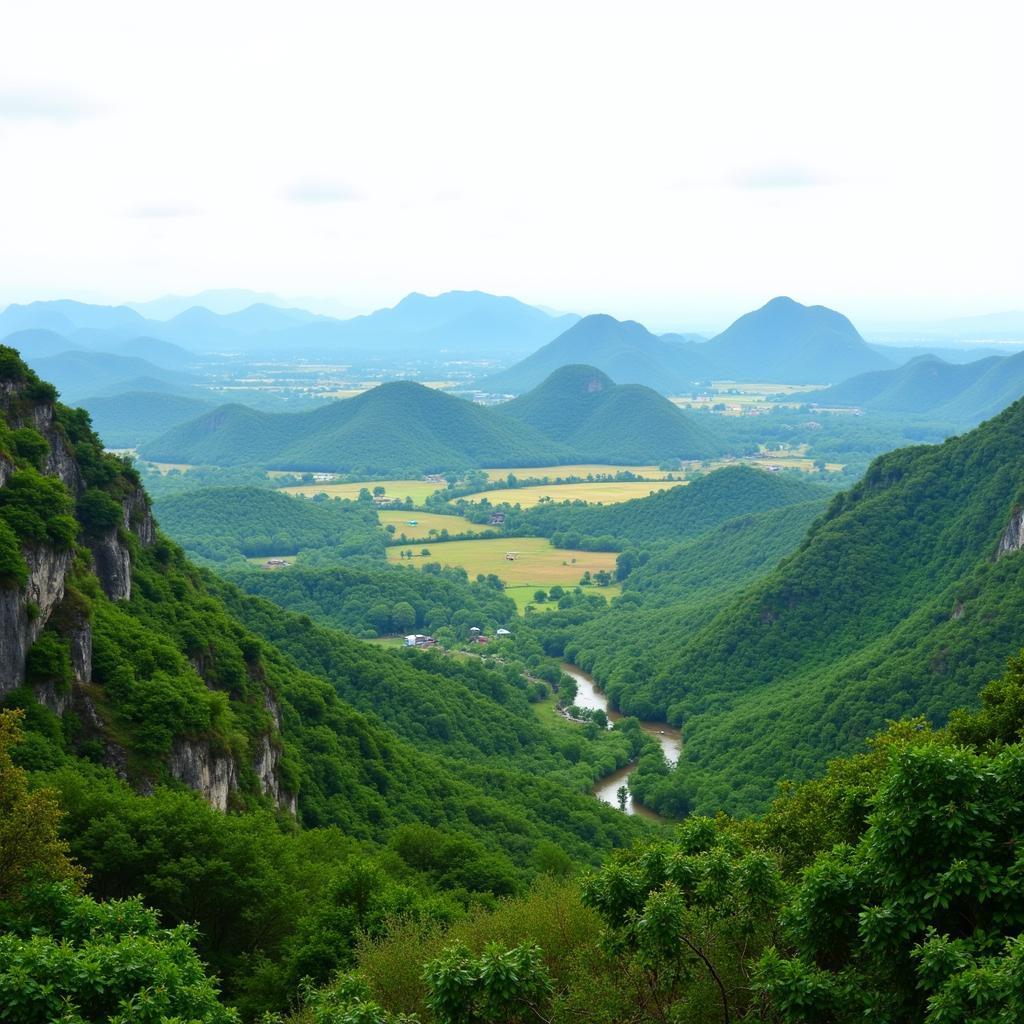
{"x": 672, "y": 163}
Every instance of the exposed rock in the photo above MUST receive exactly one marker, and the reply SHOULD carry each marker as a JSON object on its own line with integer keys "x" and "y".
{"x": 210, "y": 773}
{"x": 113, "y": 564}
{"x": 81, "y": 651}
{"x": 60, "y": 460}
{"x": 1013, "y": 536}
{"x": 6, "y": 469}
{"x": 48, "y": 694}
{"x": 138, "y": 517}
{"x": 19, "y": 629}
{"x": 958, "y": 611}
{"x": 266, "y": 761}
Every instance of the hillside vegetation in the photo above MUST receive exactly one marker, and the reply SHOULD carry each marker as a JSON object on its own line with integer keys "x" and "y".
{"x": 581, "y": 407}
{"x": 897, "y": 602}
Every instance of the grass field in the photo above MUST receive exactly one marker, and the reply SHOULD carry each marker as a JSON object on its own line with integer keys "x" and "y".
{"x": 603, "y": 492}
{"x": 418, "y": 490}
{"x": 577, "y": 469}
{"x": 165, "y": 467}
{"x": 425, "y": 522}
{"x": 537, "y": 563}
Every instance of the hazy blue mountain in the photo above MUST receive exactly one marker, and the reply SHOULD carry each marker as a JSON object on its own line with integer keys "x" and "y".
{"x": 134, "y": 417}
{"x": 216, "y": 300}
{"x": 961, "y": 393}
{"x": 464, "y": 323}
{"x": 79, "y": 374}
{"x": 156, "y": 350}
{"x": 36, "y": 342}
{"x": 65, "y": 316}
{"x": 607, "y": 422}
{"x": 787, "y": 342}
{"x": 625, "y": 350}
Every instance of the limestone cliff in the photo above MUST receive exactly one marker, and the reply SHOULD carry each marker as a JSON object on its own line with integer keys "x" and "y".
{"x": 1013, "y": 536}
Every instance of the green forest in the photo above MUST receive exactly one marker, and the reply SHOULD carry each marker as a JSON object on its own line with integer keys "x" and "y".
{"x": 219, "y": 804}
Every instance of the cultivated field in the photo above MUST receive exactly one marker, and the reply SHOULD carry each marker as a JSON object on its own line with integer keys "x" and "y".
{"x": 601, "y": 492}
{"x": 583, "y": 469}
{"x": 418, "y": 490}
{"x": 537, "y": 564}
{"x": 425, "y": 522}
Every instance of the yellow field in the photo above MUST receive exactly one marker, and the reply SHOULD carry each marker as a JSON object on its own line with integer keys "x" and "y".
{"x": 577, "y": 469}
{"x": 606, "y": 493}
{"x": 537, "y": 563}
{"x": 418, "y": 490}
{"x": 425, "y": 522}
{"x": 165, "y": 467}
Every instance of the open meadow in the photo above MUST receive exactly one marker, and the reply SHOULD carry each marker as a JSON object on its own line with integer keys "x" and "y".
{"x": 424, "y": 523}
{"x": 577, "y": 469}
{"x": 418, "y": 490}
{"x": 537, "y": 565}
{"x": 606, "y": 492}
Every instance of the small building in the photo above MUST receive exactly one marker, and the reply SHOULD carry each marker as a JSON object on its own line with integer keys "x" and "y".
{"x": 434, "y": 478}
{"x": 419, "y": 640}
{"x": 510, "y": 556}
{"x": 275, "y": 563}
{"x": 503, "y": 632}
{"x": 481, "y": 639}
{"x": 474, "y": 630}
{"x": 496, "y": 519}
{"x": 383, "y": 501}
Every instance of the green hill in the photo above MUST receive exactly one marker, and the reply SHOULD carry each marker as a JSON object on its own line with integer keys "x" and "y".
{"x": 394, "y": 428}
{"x": 581, "y": 407}
{"x": 902, "y": 600}
{"x": 676, "y": 514}
{"x": 624, "y": 350}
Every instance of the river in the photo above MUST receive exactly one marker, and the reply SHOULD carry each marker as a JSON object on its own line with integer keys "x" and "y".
{"x": 588, "y": 695}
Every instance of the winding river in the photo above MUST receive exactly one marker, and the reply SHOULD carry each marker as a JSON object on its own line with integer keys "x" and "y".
{"x": 588, "y": 695}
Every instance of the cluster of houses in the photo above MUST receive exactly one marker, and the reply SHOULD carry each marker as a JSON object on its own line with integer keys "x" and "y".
{"x": 476, "y": 636}
{"x": 383, "y": 501}
{"x": 276, "y": 563}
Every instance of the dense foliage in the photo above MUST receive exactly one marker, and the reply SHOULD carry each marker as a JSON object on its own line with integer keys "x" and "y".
{"x": 225, "y": 524}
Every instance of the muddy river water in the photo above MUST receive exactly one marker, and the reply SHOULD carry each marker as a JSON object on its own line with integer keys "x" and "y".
{"x": 588, "y": 695}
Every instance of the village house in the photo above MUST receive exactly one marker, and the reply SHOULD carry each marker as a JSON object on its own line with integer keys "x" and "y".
{"x": 419, "y": 640}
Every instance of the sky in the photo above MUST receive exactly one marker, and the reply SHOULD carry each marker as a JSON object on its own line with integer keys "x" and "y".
{"x": 676, "y": 163}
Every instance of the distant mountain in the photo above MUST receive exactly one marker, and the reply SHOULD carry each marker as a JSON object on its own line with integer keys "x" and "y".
{"x": 134, "y": 417}
{"x": 395, "y": 428}
{"x": 65, "y": 317}
{"x": 80, "y": 374}
{"x": 463, "y": 323}
{"x": 37, "y": 342}
{"x": 216, "y": 300}
{"x": 786, "y": 342}
{"x": 156, "y": 350}
{"x": 625, "y": 350}
{"x": 962, "y": 393}
{"x": 607, "y": 422}
{"x": 782, "y": 342}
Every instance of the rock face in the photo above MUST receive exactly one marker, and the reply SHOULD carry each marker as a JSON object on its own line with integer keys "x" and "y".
{"x": 23, "y": 613}
{"x": 138, "y": 518}
{"x": 200, "y": 767}
{"x": 266, "y": 760}
{"x": 1013, "y": 536}
{"x": 113, "y": 564}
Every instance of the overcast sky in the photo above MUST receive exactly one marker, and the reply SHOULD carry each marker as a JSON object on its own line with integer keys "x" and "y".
{"x": 677, "y": 163}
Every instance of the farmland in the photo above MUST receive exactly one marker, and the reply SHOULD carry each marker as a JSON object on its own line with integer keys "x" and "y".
{"x": 537, "y": 564}
{"x": 425, "y": 523}
{"x": 579, "y": 469}
{"x": 418, "y": 490}
{"x": 598, "y": 492}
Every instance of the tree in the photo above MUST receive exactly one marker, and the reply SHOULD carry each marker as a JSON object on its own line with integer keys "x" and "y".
{"x": 30, "y": 845}
{"x": 378, "y": 490}
{"x": 403, "y": 617}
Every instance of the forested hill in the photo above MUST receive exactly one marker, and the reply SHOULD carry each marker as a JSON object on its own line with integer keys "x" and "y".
{"x": 585, "y": 409}
{"x": 902, "y": 600}
{"x": 964, "y": 393}
{"x": 394, "y": 428}
{"x": 676, "y": 514}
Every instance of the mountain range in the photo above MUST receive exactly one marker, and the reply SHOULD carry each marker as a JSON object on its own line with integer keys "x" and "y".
{"x": 962, "y": 393}
{"x": 782, "y": 342}
{"x": 399, "y": 427}
{"x": 464, "y": 323}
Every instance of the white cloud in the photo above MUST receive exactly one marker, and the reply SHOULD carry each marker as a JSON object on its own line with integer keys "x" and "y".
{"x": 319, "y": 191}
